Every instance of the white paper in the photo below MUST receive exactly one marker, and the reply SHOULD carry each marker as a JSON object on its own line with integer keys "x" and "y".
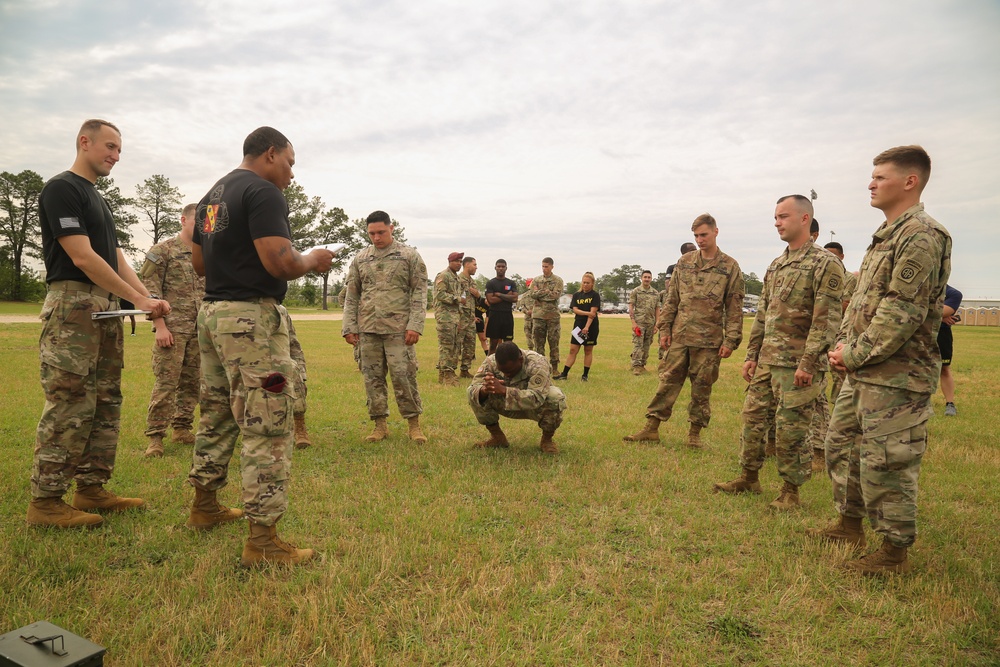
{"x": 576, "y": 335}
{"x": 332, "y": 247}
{"x": 105, "y": 314}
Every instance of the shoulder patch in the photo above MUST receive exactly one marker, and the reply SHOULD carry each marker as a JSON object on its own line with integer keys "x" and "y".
{"x": 833, "y": 283}
{"x": 910, "y": 270}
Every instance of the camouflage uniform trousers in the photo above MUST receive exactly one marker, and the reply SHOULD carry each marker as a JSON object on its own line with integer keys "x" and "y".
{"x": 548, "y": 417}
{"x": 299, "y": 357}
{"x": 529, "y": 329}
{"x": 382, "y": 353}
{"x": 876, "y": 441}
{"x": 640, "y": 344}
{"x": 449, "y": 345}
{"x": 836, "y": 382}
{"x": 467, "y": 340}
{"x": 546, "y": 330}
{"x": 701, "y": 365}
{"x": 242, "y": 344}
{"x": 773, "y": 387}
{"x": 81, "y": 370}
{"x": 176, "y": 385}
{"x": 820, "y": 419}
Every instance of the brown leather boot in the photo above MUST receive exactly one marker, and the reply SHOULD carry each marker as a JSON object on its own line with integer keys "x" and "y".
{"x": 546, "y": 444}
{"x": 788, "y": 498}
{"x": 265, "y": 547}
{"x": 155, "y": 448}
{"x": 747, "y": 482}
{"x": 466, "y": 374}
{"x": 650, "y": 433}
{"x": 183, "y": 436}
{"x": 496, "y": 439}
{"x": 301, "y": 435}
{"x": 694, "y": 437}
{"x": 96, "y": 497}
{"x": 845, "y": 530}
{"x": 440, "y": 377}
{"x": 819, "y": 461}
{"x": 450, "y": 379}
{"x": 888, "y": 559}
{"x": 56, "y": 513}
{"x": 416, "y": 435}
{"x": 207, "y": 512}
{"x": 381, "y": 431}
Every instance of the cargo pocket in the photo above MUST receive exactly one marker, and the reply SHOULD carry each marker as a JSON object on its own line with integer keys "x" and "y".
{"x": 901, "y": 431}
{"x": 67, "y": 341}
{"x": 268, "y": 412}
{"x": 236, "y": 326}
{"x": 796, "y": 397}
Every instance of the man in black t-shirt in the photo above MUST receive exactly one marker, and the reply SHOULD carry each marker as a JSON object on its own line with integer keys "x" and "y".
{"x": 81, "y": 358}
{"x": 501, "y": 295}
{"x": 242, "y": 245}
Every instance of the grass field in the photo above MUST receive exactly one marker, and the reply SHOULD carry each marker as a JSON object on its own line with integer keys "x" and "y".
{"x": 607, "y": 553}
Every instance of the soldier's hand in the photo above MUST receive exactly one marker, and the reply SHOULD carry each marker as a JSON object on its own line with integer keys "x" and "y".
{"x": 322, "y": 259}
{"x": 836, "y": 357}
{"x": 352, "y": 339}
{"x": 803, "y": 379}
{"x": 749, "y": 370}
{"x": 725, "y": 352}
{"x": 411, "y": 337}
{"x": 156, "y": 307}
{"x": 163, "y": 336}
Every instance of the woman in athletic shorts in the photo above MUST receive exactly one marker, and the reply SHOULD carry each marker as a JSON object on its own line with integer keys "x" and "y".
{"x": 586, "y": 304}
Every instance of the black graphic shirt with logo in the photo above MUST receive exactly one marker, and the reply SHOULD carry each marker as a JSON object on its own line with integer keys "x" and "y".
{"x": 586, "y": 301}
{"x": 501, "y": 286}
{"x": 68, "y": 205}
{"x": 241, "y": 207}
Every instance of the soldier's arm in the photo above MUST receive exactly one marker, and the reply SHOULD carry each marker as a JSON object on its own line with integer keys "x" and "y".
{"x": 418, "y": 296}
{"x": 735, "y": 292}
{"x": 757, "y": 330}
{"x": 442, "y": 294}
{"x": 349, "y": 326}
{"x": 905, "y": 305}
{"x": 669, "y": 311}
{"x": 532, "y": 398}
{"x": 828, "y": 284}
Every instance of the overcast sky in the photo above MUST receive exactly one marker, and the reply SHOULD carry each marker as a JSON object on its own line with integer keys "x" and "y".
{"x": 594, "y": 132}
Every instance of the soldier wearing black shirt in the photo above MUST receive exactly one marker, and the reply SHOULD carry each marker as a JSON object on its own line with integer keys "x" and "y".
{"x": 501, "y": 295}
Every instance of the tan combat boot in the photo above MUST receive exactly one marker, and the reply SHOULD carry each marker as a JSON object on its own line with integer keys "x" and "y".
{"x": 651, "y": 433}
{"x": 155, "y": 448}
{"x": 450, "y": 379}
{"x": 637, "y": 370}
{"x": 546, "y": 443}
{"x": 819, "y": 461}
{"x": 381, "y": 431}
{"x": 207, "y": 512}
{"x": 747, "y": 482}
{"x": 466, "y": 374}
{"x": 888, "y": 559}
{"x": 56, "y": 513}
{"x": 694, "y": 437}
{"x": 264, "y": 547}
{"x": 96, "y": 497}
{"x": 845, "y": 530}
{"x": 416, "y": 435}
{"x": 183, "y": 436}
{"x": 301, "y": 435}
{"x": 496, "y": 439}
{"x": 770, "y": 449}
{"x": 788, "y": 498}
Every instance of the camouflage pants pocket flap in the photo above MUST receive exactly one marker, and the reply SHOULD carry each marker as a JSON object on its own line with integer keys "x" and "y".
{"x": 266, "y": 413}
{"x": 235, "y": 325}
{"x": 68, "y": 334}
{"x": 896, "y": 419}
{"x": 796, "y": 397}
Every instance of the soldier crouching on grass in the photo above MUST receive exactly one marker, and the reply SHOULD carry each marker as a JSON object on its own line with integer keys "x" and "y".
{"x": 516, "y": 384}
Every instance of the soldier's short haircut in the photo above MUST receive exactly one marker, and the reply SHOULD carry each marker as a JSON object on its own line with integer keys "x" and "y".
{"x": 836, "y": 246}
{"x": 687, "y": 247}
{"x": 703, "y": 219}
{"x": 92, "y": 126}
{"x": 804, "y": 203}
{"x": 645, "y": 271}
{"x": 814, "y": 226}
{"x": 263, "y": 138}
{"x": 507, "y": 352}
{"x": 908, "y": 158}
{"x": 500, "y": 261}
{"x": 468, "y": 260}
{"x": 548, "y": 260}
{"x": 378, "y": 216}
{"x": 189, "y": 210}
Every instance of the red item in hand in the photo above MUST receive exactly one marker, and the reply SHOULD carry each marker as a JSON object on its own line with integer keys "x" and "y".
{"x": 275, "y": 382}
{"x": 637, "y": 331}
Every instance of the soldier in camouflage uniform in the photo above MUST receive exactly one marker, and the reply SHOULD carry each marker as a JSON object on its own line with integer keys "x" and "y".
{"x": 643, "y": 310}
{"x": 545, "y": 292}
{"x": 700, "y": 325}
{"x": 467, "y": 322}
{"x": 448, "y": 303}
{"x": 797, "y": 320}
{"x": 81, "y": 358}
{"x": 248, "y": 375}
{"x": 888, "y": 347}
{"x": 385, "y": 310}
{"x": 517, "y": 385}
{"x": 525, "y": 302}
{"x": 342, "y": 300}
{"x": 169, "y": 273}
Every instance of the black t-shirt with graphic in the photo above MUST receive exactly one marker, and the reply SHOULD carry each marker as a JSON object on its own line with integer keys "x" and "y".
{"x": 501, "y": 286}
{"x": 70, "y": 204}
{"x": 241, "y": 207}
{"x": 586, "y": 301}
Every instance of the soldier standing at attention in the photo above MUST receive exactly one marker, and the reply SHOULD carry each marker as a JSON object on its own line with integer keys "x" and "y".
{"x": 501, "y": 295}
{"x": 242, "y": 245}
{"x": 700, "y": 325}
{"x": 467, "y": 324}
{"x": 797, "y": 320}
{"x": 850, "y": 284}
{"x": 385, "y": 310}
{"x": 448, "y": 302}
{"x": 518, "y": 385}
{"x": 643, "y": 310}
{"x": 81, "y": 358}
{"x": 168, "y": 272}
{"x": 878, "y": 431}
{"x": 545, "y": 292}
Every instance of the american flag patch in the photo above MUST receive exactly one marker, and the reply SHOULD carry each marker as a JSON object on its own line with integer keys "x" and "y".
{"x": 69, "y": 223}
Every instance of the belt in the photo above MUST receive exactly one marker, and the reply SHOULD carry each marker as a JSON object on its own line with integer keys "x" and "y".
{"x": 77, "y": 286}
{"x": 254, "y": 299}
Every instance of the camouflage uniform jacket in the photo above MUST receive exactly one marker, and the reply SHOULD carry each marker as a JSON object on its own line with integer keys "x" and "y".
{"x": 386, "y": 291}
{"x": 447, "y": 297}
{"x": 891, "y": 325}
{"x": 525, "y": 301}
{"x": 704, "y": 306}
{"x": 527, "y": 390}
{"x": 545, "y": 293}
{"x": 644, "y": 301}
{"x": 468, "y": 309}
{"x": 799, "y": 311}
{"x": 169, "y": 274}
{"x": 850, "y": 284}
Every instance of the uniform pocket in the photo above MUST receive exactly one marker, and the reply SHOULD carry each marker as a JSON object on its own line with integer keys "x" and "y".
{"x": 68, "y": 338}
{"x": 266, "y": 412}
{"x": 235, "y": 326}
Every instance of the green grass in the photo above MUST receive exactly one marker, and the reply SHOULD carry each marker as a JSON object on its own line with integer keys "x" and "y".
{"x": 20, "y": 308}
{"x": 607, "y": 553}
